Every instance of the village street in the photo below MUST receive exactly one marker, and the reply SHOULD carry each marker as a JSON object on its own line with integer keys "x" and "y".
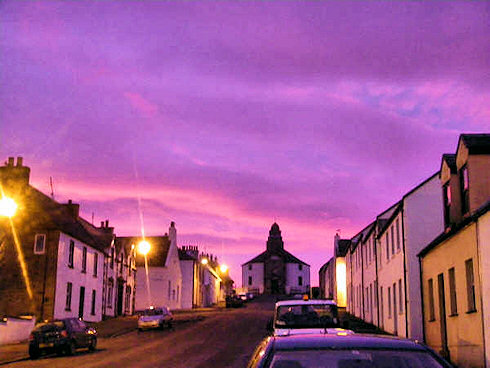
{"x": 224, "y": 338}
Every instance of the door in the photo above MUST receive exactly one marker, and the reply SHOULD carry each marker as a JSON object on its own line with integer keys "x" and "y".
{"x": 274, "y": 286}
{"x": 442, "y": 315}
{"x": 120, "y": 294}
{"x": 81, "y": 302}
{"x": 395, "y": 315}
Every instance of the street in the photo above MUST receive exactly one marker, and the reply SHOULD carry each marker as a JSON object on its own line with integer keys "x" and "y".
{"x": 225, "y": 338}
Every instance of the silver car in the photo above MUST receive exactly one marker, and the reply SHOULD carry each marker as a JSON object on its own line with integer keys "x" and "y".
{"x": 155, "y": 317}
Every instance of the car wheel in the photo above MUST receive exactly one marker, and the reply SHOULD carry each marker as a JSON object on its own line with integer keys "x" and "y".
{"x": 71, "y": 348}
{"x": 93, "y": 344}
{"x": 34, "y": 352}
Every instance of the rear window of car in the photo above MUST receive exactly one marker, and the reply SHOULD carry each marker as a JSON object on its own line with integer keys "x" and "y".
{"x": 49, "y": 326}
{"x": 153, "y": 312}
{"x": 353, "y": 359}
{"x": 306, "y": 316}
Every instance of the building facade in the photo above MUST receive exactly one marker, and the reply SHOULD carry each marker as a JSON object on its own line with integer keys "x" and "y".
{"x": 276, "y": 271}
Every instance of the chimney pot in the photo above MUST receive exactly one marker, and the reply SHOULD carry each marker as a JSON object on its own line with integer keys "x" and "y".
{"x": 10, "y": 161}
{"x": 102, "y": 224}
{"x": 69, "y": 201}
{"x": 19, "y": 161}
{"x": 106, "y": 223}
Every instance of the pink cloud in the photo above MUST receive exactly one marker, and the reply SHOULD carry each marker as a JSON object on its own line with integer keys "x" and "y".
{"x": 139, "y": 103}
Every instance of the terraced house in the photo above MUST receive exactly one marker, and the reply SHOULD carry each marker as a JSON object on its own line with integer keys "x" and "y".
{"x": 456, "y": 264}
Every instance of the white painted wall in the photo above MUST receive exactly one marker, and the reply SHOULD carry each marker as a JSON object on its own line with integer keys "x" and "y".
{"x": 483, "y": 233}
{"x": 257, "y": 274}
{"x": 187, "y": 269}
{"x": 356, "y": 281}
{"x": 292, "y": 277}
{"x": 65, "y": 274}
{"x": 370, "y": 305}
{"x": 13, "y": 330}
{"x": 423, "y": 222}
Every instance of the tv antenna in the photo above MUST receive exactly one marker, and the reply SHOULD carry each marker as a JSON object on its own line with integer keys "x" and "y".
{"x": 51, "y": 186}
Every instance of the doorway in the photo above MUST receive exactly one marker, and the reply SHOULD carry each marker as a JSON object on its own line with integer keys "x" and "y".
{"x": 81, "y": 302}
{"x": 120, "y": 293}
{"x": 442, "y": 316}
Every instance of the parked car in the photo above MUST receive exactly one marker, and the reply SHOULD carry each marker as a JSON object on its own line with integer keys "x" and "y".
{"x": 61, "y": 336}
{"x": 306, "y": 316}
{"x": 343, "y": 351}
{"x": 234, "y": 301}
{"x": 243, "y": 296}
{"x": 155, "y": 317}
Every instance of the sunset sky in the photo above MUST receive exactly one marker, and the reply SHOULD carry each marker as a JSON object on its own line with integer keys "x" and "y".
{"x": 227, "y": 116}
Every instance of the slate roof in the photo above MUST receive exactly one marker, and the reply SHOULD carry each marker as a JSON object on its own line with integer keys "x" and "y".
{"x": 450, "y": 159}
{"x": 158, "y": 253}
{"x": 285, "y": 255}
{"x": 476, "y": 143}
{"x": 344, "y": 245}
{"x": 40, "y": 211}
{"x": 455, "y": 229}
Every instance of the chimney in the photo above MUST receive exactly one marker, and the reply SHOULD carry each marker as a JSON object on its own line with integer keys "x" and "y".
{"x": 73, "y": 208}
{"x": 14, "y": 176}
{"x": 106, "y": 223}
{"x": 172, "y": 233}
{"x": 102, "y": 224}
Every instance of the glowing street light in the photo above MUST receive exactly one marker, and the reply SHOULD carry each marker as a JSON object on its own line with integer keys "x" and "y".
{"x": 223, "y": 268}
{"x": 8, "y": 207}
{"x": 144, "y": 247}
{"x": 204, "y": 261}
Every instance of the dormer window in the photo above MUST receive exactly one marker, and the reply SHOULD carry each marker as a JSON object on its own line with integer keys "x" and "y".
{"x": 39, "y": 243}
{"x": 465, "y": 184}
{"x": 446, "y": 193}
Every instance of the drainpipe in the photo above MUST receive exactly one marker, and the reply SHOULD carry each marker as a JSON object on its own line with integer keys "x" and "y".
{"x": 376, "y": 270}
{"x": 422, "y": 298}
{"x": 405, "y": 269}
{"x": 477, "y": 223}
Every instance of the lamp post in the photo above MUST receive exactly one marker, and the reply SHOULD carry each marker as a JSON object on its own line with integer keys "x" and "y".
{"x": 144, "y": 248}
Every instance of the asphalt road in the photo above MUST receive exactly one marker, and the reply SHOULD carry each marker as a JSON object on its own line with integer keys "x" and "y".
{"x": 226, "y": 338}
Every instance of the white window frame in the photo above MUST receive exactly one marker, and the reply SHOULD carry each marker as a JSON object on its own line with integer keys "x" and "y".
{"x": 35, "y": 243}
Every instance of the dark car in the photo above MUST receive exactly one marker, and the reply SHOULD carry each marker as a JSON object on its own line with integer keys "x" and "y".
{"x": 344, "y": 351}
{"x": 61, "y": 336}
{"x": 234, "y": 301}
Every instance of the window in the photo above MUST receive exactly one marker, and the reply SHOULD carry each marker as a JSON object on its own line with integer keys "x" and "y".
{"x": 300, "y": 281}
{"x": 371, "y": 300}
{"x": 92, "y": 310}
{"x": 452, "y": 292}
{"x": 398, "y": 247}
{"x": 400, "y": 296}
{"x": 470, "y": 285}
{"x": 127, "y": 304}
{"x": 392, "y": 240}
{"x": 250, "y": 280}
{"x": 394, "y": 301}
{"x": 249, "y": 267}
{"x": 69, "y": 287}
{"x": 178, "y": 291}
{"x": 389, "y": 302}
{"x": 464, "y": 183}
{"x": 109, "y": 293}
{"x": 387, "y": 239}
{"x": 70, "y": 253}
{"x": 84, "y": 260}
{"x": 300, "y": 267}
{"x": 112, "y": 258}
{"x": 432, "y": 312}
{"x": 446, "y": 196}
{"x": 169, "y": 288}
{"x": 96, "y": 261}
{"x": 39, "y": 243}
{"x": 381, "y": 304}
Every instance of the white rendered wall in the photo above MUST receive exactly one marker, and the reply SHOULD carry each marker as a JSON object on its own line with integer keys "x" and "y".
{"x": 65, "y": 274}
{"x": 14, "y": 330}
{"x": 370, "y": 306}
{"x": 423, "y": 222}
{"x": 292, "y": 277}
{"x": 483, "y": 233}
{"x": 257, "y": 274}
{"x": 356, "y": 281}
{"x": 187, "y": 269}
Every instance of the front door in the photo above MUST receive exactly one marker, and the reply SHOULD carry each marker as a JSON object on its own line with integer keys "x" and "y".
{"x": 274, "y": 286}
{"x": 81, "y": 302}
{"x": 395, "y": 315}
{"x": 120, "y": 292}
{"x": 442, "y": 315}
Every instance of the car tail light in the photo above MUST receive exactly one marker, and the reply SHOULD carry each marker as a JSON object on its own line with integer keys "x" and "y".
{"x": 64, "y": 333}
{"x": 31, "y": 337}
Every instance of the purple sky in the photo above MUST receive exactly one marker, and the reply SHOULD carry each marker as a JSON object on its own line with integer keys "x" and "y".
{"x": 224, "y": 117}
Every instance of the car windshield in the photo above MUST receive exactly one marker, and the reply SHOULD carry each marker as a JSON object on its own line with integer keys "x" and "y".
{"x": 153, "y": 312}
{"x": 306, "y": 316}
{"x": 353, "y": 359}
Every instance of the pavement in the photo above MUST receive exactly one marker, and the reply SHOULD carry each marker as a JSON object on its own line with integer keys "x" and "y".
{"x": 108, "y": 329}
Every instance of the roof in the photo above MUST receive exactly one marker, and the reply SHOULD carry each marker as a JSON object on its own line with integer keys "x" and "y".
{"x": 344, "y": 245}
{"x": 455, "y": 229}
{"x": 477, "y": 144}
{"x": 305, "y": 302}
{"x": 41, "y": 211}
{"x": 333, "y": 341}
{"x": 326, "y": 265}
{"x": 450, "y": 160}
{"x": 184, "y": 256}
{"x": 285, "y": 255}
{"x": 157, "y": 256}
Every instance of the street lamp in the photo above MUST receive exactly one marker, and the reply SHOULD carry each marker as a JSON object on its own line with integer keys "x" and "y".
{"x": 8, "y": 207}
{"x": 223, "y": 268}
{"x": 144, "y": 247}
{"x": 204, "y": 261}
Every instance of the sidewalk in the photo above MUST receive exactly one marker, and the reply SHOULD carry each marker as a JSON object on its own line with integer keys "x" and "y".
{"x": 107, "y": 329}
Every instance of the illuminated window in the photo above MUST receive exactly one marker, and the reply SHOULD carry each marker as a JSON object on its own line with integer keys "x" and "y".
{"x": 39, "y": 243}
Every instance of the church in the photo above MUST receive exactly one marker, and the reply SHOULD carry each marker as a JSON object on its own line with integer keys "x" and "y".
{"x": 276, "y": 271}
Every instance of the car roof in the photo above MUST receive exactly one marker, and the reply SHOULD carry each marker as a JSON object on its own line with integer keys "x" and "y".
{"x": 333, "y": 341}
{"x": 305, "y": 302}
